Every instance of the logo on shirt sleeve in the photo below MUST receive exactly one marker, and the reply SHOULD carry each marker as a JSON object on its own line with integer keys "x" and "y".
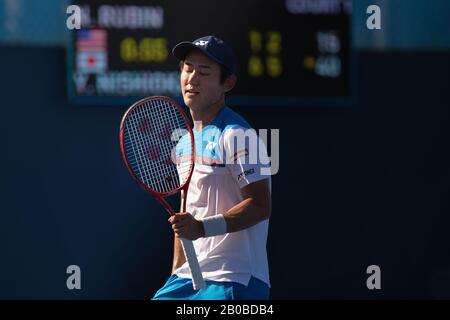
{"x": 211, "y": 145}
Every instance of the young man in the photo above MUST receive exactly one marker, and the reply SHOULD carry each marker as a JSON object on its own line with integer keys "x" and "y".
{"x": 229, "y": 200}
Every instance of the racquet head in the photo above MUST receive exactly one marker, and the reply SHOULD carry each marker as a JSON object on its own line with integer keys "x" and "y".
{"x": 157, "y": 145}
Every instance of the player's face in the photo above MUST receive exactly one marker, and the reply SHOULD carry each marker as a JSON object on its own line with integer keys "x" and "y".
{"x": 200, "y": 82}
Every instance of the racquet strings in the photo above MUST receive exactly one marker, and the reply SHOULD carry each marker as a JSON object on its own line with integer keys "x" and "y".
{"x": 158, "y": 145}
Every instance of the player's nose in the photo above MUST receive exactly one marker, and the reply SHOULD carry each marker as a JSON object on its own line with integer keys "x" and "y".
{"x": 193, "y": 78}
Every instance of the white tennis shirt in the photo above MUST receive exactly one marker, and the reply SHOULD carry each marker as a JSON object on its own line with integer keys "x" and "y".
{"x": 223, "y": 166}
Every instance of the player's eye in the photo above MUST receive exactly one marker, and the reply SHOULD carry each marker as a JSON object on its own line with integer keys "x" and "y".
{"x": 188, "y": 68}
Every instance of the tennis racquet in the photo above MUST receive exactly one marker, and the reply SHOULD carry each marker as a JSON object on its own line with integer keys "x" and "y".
{"x": 152, "y": 131}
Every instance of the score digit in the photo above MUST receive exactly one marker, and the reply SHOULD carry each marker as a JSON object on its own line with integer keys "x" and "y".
{"x": 147, "y": 50}
{"x": 128, "y": 50}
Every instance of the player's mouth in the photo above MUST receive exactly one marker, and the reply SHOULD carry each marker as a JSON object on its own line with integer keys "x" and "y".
{"x": 191, "y": 93}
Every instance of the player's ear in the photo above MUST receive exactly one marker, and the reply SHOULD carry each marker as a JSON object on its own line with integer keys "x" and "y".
{"x": 230, "y": 82}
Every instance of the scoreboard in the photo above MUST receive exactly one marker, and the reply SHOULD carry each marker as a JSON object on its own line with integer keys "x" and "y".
{"x": 288, "y": 51}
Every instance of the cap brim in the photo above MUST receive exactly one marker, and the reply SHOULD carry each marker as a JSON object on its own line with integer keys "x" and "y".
{"x": 181, "y": 50}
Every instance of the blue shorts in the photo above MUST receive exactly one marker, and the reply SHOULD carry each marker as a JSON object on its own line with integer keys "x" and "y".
{"x": 177, "y": 288}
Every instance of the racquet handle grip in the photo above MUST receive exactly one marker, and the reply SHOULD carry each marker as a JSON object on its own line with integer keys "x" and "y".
{"x": 191, "y": 258}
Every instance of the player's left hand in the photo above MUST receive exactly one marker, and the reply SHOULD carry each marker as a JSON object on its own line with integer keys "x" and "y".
{"x": 186, "y": 226}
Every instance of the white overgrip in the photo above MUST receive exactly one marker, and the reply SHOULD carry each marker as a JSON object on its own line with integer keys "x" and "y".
{"x": 191, "y": 258}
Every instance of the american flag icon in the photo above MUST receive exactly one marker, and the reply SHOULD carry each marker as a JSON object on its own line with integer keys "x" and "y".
{"x": 92, "y": 54}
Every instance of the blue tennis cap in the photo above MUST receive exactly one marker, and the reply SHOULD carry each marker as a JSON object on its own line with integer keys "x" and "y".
{"x": 214, "y": 48}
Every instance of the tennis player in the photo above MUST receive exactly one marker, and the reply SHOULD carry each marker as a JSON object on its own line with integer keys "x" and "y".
{"x": 229, "y": 199}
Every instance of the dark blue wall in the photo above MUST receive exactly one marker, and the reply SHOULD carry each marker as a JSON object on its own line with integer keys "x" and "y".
{"x": 371, "y": 187}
